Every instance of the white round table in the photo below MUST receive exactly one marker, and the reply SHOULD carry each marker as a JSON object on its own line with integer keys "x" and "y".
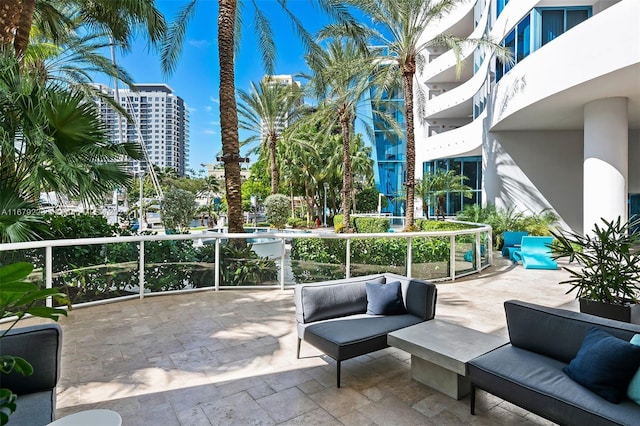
{"x": 90, "y": 418}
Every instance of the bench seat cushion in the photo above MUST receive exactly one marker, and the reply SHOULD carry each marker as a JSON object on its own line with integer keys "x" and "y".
{"x": 543, "y": 387}
{"x": 354, "y": 335}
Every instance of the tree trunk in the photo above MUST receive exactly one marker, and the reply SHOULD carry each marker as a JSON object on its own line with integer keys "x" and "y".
{"x": 275, "y": 176}
{"x": 9, "y": 18}
{"x": 407, "y": 87}
{"x": 229, "y": 113}
{"x": 346, "y": 172}
{"x": 21, "y": 40}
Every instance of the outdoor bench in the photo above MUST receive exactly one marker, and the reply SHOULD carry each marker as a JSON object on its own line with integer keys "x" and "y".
{"x": 332, "y": 315}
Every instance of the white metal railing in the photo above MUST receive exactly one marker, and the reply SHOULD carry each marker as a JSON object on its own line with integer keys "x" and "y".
{"x": 48, "y": 246}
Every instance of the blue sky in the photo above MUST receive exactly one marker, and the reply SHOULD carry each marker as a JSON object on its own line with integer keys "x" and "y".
{"x": 196, "y": 78}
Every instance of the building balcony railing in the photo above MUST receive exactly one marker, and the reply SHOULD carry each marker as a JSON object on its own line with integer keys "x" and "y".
{"x": 99, "y": 270}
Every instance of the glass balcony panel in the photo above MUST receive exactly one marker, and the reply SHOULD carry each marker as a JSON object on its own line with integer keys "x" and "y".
{"x": 315, "y": 259}
{"x": 377, "y": 255}
{"x": 88, "y": 273}
{"x": 430, "y": 257}
{"x": 465, "y": 254}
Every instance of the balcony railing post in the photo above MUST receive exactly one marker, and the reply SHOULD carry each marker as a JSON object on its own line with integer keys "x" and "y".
{"x": 478, "y": 252}
{"x": 452, "y": 257}
{"x": 48, "y": 271}
{"x": 409, "y": 256}
{"x": 348, "y": 265}
{"x": 282, "y": 254}
{"x": 490, "y": 246}
{"x": 141, "y": 270}
{"x": 216, "y": 267}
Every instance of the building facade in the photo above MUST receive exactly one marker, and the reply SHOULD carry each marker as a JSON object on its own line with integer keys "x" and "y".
{"x": 558, "y": 128}
{"x": 160, "y": 123}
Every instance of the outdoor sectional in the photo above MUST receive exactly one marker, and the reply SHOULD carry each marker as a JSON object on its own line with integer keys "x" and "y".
{"x": 41, "y": 346}
{"x": 332, "y": 315}
{"x": 529, "y": 371}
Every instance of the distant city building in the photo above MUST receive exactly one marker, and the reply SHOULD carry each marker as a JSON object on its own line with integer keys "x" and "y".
{"x": 217, "y": 171}
{"x": 160, "y": 123}
{"x": 281, "y": 80}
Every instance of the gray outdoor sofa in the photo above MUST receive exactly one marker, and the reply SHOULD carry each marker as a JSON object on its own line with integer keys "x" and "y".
{"x": 528, "y": 372}
{"x": 40, "y": 345}
{"x": 332, "y": 315}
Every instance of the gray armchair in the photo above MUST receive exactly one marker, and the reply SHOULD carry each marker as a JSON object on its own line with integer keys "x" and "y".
{"x": 40, "y": 345}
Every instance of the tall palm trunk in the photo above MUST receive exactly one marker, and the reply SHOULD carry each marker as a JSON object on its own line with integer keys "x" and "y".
{"x": 346, "y": 173}
{"x": 9, "y": 17}
{"x": 275, "y": 175}
{"x": 229, "y": 113}
{"x": 408, "y": 72}
{"x": 21, "y": 40}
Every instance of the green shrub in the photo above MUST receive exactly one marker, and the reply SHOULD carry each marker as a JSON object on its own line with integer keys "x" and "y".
{"x": 297, "y": 222}
{"x": 178, "y": 209}
{"x": 502, "y": 220}
{"x": 337, "y": 223}
{"x": 370, "y": 225}
{"x": 439, "y": 225}
{"x": 277, "y": 209}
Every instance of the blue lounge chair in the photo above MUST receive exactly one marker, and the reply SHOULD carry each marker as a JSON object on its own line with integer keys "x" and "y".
{"x": 512, "y": 240}
{"x": 468, "y": 255}
{"x": 535, "y": 253}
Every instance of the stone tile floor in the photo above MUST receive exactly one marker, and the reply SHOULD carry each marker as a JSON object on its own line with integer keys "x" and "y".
{"x": 229, "y": 358}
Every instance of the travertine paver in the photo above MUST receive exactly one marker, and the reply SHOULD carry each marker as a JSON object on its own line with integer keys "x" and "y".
{"x": 228, "y": 358}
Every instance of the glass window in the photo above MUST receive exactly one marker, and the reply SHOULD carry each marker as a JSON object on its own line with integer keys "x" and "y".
{"x": 552, "y": 24}
{"x": 574, "y": 17}
{"x": 523, "y": 46}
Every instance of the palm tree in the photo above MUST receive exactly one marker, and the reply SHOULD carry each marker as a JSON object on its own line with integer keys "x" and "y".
{"x": 400, "y": 27}
{"x": 120, "y": 19}
{"x": 341, "y": 80}
{"x": 435, "y": 185}
{"x": 264, "y": 111}
{"x": 228, "y": 19}
{"x": 51, "y": 139}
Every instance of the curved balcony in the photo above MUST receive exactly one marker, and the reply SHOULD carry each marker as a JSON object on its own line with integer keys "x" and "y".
{"x": 228, "y": 357}
{"x": 443, "y": 68}
{"x": 549, "y": 88}
{"x": 125, "y": 267}
{"x": 458, "y": 102}
{"x": 459, "y": 22}
{"x": 463, "y": 141}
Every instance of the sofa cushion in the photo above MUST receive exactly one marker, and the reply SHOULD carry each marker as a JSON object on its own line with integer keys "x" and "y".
{"x": 537, "y": 383}
{"x": 633, "y": 391}
{"x": 355, "y": 335}
{"x": 332, "y": 299}
{"x": 605, "y": 364}
{"x": 384, "y": 299}
{"x": 41, "y": 346}
{"x": 556, "y": 333}
{"x": 34, "y": 409}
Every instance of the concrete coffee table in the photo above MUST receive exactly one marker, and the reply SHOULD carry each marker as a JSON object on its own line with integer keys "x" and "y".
{"x": 98, "y": 417}
{"x": 440, "y": 351}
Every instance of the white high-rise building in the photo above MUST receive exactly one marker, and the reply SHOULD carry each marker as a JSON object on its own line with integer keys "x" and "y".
{"x": 557, "y": 130}
{"x": 281, "y": 80}
{"x": 160, "y": 122}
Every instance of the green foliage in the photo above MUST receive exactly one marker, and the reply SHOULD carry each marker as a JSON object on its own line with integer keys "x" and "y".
{"x": 337, "y": 223}
{"x": 508, "y": 220}
{"x": 370, "y": 225}
{"x": 277, "y": 210}
{"x": 371, "y": 251}
{"x": 19, "y": 297}
{"x": 367, "y": 200}
{"x": 297, "y": 222}
{"x": 438, "y": 225}
{"x": 239, "y": 265}
{"x": 609, "y": 258}
{"x": 178, "y": 210}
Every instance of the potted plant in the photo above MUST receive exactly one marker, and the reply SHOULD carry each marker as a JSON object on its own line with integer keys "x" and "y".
{"x": 18, "y": 298}
{"x": 607, "y": 280}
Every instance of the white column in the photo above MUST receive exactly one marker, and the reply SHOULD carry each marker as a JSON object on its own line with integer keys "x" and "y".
{"x": 606, "y": 161}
